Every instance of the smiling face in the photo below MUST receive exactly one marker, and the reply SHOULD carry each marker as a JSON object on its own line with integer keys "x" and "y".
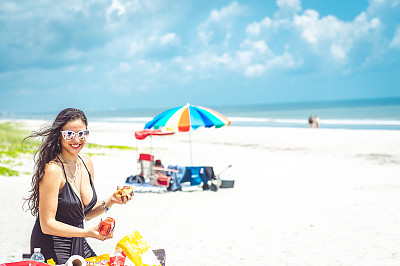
{"x": 73, "y": 147}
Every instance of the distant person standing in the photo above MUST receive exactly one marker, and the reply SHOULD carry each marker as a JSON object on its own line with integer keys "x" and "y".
{"x": 316, "y": 120}
{"x": 310, "y": 121}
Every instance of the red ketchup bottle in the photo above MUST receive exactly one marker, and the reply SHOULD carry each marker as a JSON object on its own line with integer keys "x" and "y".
{"x": 106, "y": 226}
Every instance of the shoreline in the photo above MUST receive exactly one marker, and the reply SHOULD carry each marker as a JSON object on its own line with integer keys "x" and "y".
{"x": 301, "y": 196}
{"x": 392, "y": 125}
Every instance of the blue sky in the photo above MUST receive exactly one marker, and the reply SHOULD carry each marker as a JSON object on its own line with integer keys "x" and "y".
{"x": 107, "y": 55}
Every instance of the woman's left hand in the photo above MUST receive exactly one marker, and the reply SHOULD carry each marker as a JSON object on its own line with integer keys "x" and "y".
{"x": 123, "y": 195}
{"x": 121, "y": 200}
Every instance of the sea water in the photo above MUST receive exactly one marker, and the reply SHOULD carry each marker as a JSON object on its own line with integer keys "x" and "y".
{"x": 373, "y": 114}
{"x": 351, "y": 114}
{"x": 354, "y": 114}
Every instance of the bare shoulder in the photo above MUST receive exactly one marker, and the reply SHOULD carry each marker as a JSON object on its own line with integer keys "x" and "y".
{"x": 52, "y": 168}
{"x": 52, "y": 172}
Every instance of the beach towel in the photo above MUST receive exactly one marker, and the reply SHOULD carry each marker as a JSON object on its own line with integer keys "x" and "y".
{"x": 139, "y": 185}
{"x": 177, "y": 176}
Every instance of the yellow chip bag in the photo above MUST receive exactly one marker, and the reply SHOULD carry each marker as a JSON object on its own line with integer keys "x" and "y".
{"x": 51, "y": 262}
{"x": 137, "y": 250}
{"x": 102, "y": 260}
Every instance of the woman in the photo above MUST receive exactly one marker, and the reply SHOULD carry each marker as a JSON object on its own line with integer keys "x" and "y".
{"x": 62, "y": 193}
{"x": 310, "y": 121}
{"x": 316, "y": 120}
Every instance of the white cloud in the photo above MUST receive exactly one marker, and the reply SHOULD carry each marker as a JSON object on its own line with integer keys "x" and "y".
{"x": 294, "y": 5}
{"x": 220, "y": 21}
{"x": 287, "y": 8}
{"x": 188, "y": 68}
{"x": 255, "y": 28}
{"x": 330, "y": 33}
{"x": 244, "y": 58}
{"x": 154, "y": 68}
{"x": 286, "y": 60}
{"x": 225, "y": 13}
{"x": 169, "y": 39}
{"x": 261, "y": 46}
{"x": 72, "y": 54}
{"x": 153, "y": 38}
{"x": 337, "y": 52}
{"x": 254, "y": 70}
{"x": 395, "y": 43}
{"x": 136, "y": 47}
{"x": 312, "y": 29}
{"x": 361, "y": 26}
{"x": 125, "y": 67}
{"x": 149, "y": 34}
{"x": 223, "y": 59}
{"x": 326, "y": 36}
{"x": 88, "y": 69}
{"x": 205, "y": 37}
{"x": 257, "y": 47}
{"x": 142, "y": 44}
{"x": 116, "y": 6}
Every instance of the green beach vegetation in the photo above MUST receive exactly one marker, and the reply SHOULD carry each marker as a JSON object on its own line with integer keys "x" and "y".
{"x": 13, "y": 150}
{"x": 97, "y": 146}
{"x": 92, "y": 149}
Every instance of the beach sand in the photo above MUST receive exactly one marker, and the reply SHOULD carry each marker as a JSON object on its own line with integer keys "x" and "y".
{"x": 301, "y": 197}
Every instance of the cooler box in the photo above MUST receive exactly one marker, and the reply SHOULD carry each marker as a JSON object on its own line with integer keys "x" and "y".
{"x": 227, "y": 183}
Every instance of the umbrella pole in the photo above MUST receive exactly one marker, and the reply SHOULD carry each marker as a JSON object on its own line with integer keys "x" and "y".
{"x": 151, "y": 145}
{"x": 137, "y": 154}
{"x": 190, "y": 141}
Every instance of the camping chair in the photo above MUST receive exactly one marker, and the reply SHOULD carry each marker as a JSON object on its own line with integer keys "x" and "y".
{"x": 146, "y": 165}
{"x": 198, "y": 175}
{"x": 152, "y": 172}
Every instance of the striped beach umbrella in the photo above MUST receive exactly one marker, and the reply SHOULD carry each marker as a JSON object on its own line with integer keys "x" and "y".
{"x": 187, "y": 117}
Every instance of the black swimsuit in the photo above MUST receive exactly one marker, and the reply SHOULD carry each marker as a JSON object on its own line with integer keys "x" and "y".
{"x": 69, "y": 211}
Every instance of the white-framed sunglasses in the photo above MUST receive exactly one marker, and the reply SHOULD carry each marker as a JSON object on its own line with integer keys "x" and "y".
{"x": 69, "y": 135}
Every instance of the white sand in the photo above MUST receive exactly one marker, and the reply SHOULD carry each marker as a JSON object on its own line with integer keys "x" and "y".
{"x": 301, "y": 197}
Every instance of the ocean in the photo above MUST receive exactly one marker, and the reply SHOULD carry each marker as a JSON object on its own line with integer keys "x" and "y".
{"x": 374, "y": 114}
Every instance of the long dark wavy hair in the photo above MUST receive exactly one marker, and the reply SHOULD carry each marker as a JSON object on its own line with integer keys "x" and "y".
{"x": 48, "y": 150}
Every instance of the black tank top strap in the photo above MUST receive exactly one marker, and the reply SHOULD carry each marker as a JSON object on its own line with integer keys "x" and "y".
{"x": 65, "y": 174}
{"x": 90, "y": 176}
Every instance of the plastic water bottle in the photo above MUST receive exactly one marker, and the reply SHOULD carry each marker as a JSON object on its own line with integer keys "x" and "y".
{"x": 37, "y": 256}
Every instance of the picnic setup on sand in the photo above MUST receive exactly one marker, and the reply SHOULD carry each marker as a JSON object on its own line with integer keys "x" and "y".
{"x": 154, "y": 177}
{"x": 131, "y": 250}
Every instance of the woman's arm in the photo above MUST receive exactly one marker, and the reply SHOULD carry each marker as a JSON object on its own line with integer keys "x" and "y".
{"x": 102, "y": 206}
{"x": 49, "y": 189}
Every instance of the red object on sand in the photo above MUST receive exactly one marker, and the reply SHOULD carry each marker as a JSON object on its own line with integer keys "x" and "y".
{"x": 106, "y": 226}
{"x": 118, "y": 259}
{"x": 142, "y": 134}
{"x": 163, "y": 181}
{"x": 26, "y": 263}
{"x": 146, "y": 157}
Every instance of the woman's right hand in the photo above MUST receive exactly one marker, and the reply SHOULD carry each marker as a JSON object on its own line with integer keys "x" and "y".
{"x": 94, "y": 233}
